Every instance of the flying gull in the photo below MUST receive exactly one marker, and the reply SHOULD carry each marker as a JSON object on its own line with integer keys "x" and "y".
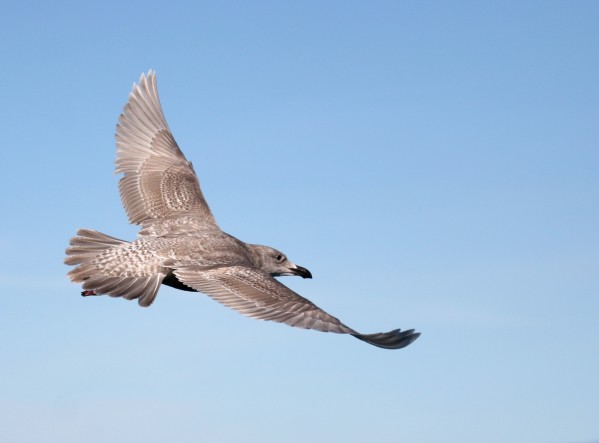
{"x": 180, "y": 243}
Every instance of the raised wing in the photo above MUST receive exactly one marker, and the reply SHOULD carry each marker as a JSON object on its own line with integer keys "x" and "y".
{"x": 258, "y": 295}
{"x": 158, "y": 183}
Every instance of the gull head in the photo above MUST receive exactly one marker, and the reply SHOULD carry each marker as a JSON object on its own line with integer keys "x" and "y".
{"x": 275, "y": 263}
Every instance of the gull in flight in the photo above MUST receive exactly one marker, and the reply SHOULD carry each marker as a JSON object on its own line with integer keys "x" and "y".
{"x": 180, "y": 244}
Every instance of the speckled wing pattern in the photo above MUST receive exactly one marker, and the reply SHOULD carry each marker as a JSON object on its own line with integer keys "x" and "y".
{"x": 258, "y": 295}
{"x": 158, "y": 182}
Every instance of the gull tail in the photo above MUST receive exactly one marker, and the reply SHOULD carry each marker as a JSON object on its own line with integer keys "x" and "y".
{"x": 395, "y": 339}
{"x": 95, "y": 255}
{"x": 84, "y": 248}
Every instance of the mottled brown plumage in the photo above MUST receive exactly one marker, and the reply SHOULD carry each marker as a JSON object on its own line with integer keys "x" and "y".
{"x": 180, "y": 244}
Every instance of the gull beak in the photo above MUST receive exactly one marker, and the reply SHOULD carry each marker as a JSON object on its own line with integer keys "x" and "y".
{"x": 302, "y": 272}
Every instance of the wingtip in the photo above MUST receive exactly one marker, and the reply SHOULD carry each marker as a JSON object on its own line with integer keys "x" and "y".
{"x": 144, "y": 78}
{"x": 147, "y": 75}
{"x": 395, "y": 339}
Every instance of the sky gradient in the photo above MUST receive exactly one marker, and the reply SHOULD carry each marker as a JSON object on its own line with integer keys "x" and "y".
{"x": 433, "y": 164}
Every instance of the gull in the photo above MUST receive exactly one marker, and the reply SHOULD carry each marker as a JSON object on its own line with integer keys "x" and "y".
{"x": 180, "y": 244}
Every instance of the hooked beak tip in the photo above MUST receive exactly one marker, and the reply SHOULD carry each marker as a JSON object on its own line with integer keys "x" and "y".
{"x": 302, "y": 272}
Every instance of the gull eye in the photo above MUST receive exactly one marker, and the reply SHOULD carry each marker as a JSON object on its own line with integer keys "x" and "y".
{"x": 280, "y": 258}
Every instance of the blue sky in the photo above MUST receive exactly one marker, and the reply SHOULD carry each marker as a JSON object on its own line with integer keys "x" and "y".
{"x": 434, "y": 164}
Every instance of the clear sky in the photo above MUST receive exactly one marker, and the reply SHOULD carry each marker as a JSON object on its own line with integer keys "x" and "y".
{"x": 434, "y": 164}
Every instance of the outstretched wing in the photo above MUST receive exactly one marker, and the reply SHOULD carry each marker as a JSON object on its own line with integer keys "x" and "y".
{"x": 158, "y": 180}
{"x": 258, "y": 295}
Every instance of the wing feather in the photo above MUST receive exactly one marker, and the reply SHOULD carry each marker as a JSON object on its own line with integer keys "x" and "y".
{"x": 158, "y": 182}
{"x": 256, "y": 294}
